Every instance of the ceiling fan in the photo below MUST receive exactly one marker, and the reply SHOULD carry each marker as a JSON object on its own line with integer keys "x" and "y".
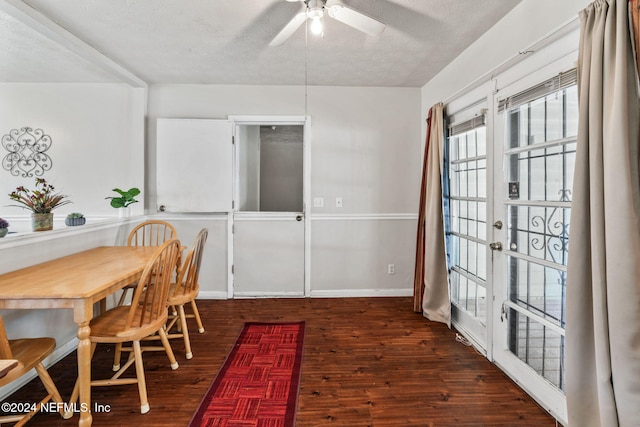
{"x": 315, "y": 10}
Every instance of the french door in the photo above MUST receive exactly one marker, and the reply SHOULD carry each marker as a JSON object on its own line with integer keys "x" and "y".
{"x": 508, "y": 205}
{"x": 535, "y": 142}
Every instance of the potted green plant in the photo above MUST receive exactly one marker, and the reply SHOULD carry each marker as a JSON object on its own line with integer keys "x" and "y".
{"x": 75, "y": 218}
{"x": 125, "y": 199}
{"x": 4, "y": 227}
{"x": 41, "y": 202}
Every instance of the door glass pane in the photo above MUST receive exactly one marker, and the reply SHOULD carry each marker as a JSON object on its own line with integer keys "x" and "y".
{"x": 538, "y": 346}
{"x": 467, "y": 221}
{"x": 541, "y": 136}
{"x": 539, "y": 231}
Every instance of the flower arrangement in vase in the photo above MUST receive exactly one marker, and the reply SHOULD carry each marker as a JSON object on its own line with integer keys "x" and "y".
{"x": 41, "y": 202}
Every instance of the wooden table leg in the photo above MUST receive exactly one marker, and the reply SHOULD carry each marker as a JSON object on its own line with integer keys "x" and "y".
{"x": 84, "y": 373}
{"x": 82, "y": 315}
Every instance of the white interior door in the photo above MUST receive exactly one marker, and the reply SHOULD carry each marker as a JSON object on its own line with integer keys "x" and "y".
{"x": 269, "y": 223}
{"x": 191, "y": 155}
{"x": 268, "y": 254}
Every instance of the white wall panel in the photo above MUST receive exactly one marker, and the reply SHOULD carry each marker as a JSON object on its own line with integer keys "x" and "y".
{"x": 213, "y": 273}
{"x": 350, "y": 255}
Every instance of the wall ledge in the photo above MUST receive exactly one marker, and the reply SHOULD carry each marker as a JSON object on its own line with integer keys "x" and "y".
{"x": 60, "y": 230}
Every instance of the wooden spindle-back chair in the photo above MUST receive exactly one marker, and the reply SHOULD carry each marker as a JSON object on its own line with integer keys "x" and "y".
{"x": 185, "y": 290}
{"x": 29, "y": 353}
{"x": 146, "y": 315}
{"x": 148, "y": 233}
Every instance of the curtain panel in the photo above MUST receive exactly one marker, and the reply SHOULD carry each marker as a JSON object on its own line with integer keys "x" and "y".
{"x": 418, "y": 276}
{"x": 431, "y": 278}
{"x": 603, "y": 272}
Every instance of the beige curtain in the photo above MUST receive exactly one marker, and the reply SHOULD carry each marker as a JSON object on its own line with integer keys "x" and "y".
{"x": 603, "y": 279}
{"x": 431, "y": 281}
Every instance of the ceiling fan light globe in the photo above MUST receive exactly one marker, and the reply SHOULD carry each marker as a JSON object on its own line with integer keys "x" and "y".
{"x": 316, "y": 26}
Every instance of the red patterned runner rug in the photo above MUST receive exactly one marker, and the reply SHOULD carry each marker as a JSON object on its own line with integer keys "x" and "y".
{"x": 258, "y": 383}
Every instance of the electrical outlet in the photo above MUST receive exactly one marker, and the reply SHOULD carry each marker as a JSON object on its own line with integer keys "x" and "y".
{"x": 391, "y": 269}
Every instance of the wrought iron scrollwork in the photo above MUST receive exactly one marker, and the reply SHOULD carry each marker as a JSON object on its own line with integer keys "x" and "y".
{"x": 26, "y": 152}
{"x": 555, "y": 237}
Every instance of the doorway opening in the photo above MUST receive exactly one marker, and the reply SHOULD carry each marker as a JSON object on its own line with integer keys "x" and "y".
{"x": 270, "y": 168}
{"x": 269, "y": 232}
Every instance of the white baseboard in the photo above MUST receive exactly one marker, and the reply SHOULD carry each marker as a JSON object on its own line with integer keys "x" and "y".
{"x": 212, "y": 294}
{"x": 268, "y": 295}
{"x": 334, "y": 293}
{"x": 361, "y": 293}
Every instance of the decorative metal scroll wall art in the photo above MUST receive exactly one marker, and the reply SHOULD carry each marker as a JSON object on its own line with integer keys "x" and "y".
{"x": 26, "y": 152}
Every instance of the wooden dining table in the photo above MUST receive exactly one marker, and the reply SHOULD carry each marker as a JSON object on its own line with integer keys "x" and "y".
{"x": 76, "y": 282}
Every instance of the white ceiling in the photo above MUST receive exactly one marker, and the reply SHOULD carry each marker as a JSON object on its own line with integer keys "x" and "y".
{"x": 226, "y": 41}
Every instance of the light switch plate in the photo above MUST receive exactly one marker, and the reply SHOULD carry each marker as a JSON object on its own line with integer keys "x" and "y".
{"x": 318, "y": 202}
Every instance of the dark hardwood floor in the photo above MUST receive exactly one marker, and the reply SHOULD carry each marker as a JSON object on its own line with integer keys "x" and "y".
{"x": 367, "y": 362}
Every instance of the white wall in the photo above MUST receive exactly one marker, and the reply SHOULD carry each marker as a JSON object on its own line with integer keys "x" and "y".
{"x": 526, "y": 24}
{"x": 365, "y": 148}
{"x": 97, "y": 132}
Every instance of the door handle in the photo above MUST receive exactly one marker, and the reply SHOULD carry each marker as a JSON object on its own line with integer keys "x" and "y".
{"x": 495, "y": 246}
{"x": 298, "y": 217}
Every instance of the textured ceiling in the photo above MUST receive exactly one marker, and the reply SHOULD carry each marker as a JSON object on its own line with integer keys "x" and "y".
{"x": 226, "y": 41}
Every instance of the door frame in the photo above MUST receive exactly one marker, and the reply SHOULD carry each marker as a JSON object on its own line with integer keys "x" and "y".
{"x": 257, "y": 120}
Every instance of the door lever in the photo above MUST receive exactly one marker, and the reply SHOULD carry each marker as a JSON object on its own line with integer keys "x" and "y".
{"x": 495, "y": 246}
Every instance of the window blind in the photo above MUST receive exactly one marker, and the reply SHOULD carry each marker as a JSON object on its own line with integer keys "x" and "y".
{"x": 467, "y": 125}
{"x": 554, "y": 84}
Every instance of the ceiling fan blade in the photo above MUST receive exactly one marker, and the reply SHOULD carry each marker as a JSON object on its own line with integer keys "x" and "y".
{"x": 357, "y": 20}
{"x": 289, "y": 29}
